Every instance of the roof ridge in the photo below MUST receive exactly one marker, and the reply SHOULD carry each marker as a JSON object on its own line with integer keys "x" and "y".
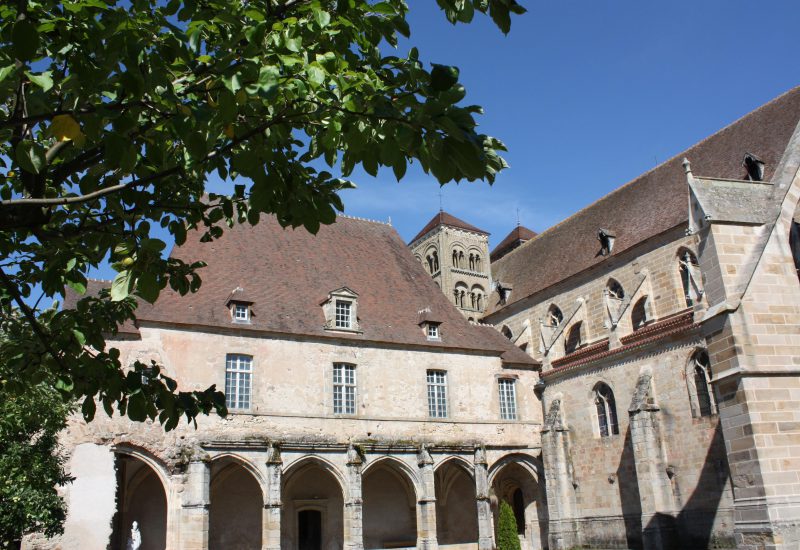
{"x": 627, "y": 184}
{"x": 343, "y": 215}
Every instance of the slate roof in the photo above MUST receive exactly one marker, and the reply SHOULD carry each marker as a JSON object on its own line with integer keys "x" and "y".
{"x": 518, "y": 235}
{"x": 649, "y": 205}
{"x": 443, "y": 218}
{"x": 287, "y": 273}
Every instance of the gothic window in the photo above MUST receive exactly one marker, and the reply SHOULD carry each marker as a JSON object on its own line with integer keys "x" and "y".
{"x": 508, "y": 399}
{"x": 238, "y": 373}
{"x": 615, "y": 290}
{"x": 573, "y": 340}
{"x": 640, "y": 315}
{"x": 554, "y": 316}
{"x": 698, "y": 376}
{"x": 606, "y": 410}
{"x": 437, "y": 393}
{"x": 344, "y": 388}
{"x": 690, "y": 277}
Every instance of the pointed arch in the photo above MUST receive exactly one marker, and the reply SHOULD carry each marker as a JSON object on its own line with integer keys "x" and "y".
{"x": 390, "y": 489}
{"x": 237, "y": 496}
{"x": 698, "y": 384}
{"x": 296, "y": 466}
{"x": 606, "y": 409}
{"x": 554, "y": 316}
{"x": 457, "y": 460}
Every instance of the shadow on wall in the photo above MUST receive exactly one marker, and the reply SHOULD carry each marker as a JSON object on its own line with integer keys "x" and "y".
{"x": 628, "y": 486}
{"x": 697, "y": 516}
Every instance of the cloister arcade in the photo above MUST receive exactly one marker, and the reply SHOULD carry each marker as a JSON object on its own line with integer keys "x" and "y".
{"x": 329, "y": 499}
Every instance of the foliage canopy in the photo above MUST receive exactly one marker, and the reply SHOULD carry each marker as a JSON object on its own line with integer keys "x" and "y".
{"x": 114, "y": 114}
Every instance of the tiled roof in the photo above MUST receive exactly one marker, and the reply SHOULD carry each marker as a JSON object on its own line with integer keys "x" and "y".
{"x": 443, "y": 218}
{"x": 518, "y": 235}
{"x": 513, "y": 354}
{"x": 649, "y": 205}
{"x": 287, "y": 273}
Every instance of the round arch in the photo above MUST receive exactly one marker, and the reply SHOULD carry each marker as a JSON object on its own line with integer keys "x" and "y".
{"x": 295, "y": 468}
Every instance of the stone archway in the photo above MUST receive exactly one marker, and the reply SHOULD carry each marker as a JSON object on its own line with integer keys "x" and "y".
{"x": 141, "y": 498}
{"x": 313, "y": 507}
{"x": 390, "y": 506}
{"x": 456, "y": 504}
{"x": 237, "y": 502}
{"x": 515, "y": 479}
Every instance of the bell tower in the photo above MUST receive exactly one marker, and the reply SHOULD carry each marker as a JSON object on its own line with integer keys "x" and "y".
{"x": 456, "y": 254}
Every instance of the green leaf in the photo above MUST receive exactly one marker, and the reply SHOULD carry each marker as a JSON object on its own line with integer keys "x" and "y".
{"x": 25, "y": 40}
{"x": 88, "y": 408}
{"x": 443, "y": 77}
{"x": 315, "y": 74}
{"x": 147, "y": 287}
{"x": 30, "y": 156}
{"x": 79, "y": 336}
{"x": 5, "y": 71}
{"x": 322, "y": 17}
{"x": 119, "y": 288}
{"x": 43, "y": 80}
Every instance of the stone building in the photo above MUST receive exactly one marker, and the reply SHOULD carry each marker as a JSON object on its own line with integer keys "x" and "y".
{"x": 626, "y": 379}
{"x": 366, "y": 411}
{"x": 456, "y": 254}
{"x": 666, "y": 317}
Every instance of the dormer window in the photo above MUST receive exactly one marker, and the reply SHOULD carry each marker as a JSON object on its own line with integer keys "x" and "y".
{"x": 433, "y": 331}
{"x": 344, "y": 314}
{"x": 241, "y": 312}
{"x": 754, "y": 167}
{"x": 341, "y": 310}
{"x": 606, "y": 239}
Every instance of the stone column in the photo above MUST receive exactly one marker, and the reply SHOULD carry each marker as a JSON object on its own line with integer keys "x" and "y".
{"x": 426, "y": 509}
{"x": 195, "y": 505}
{"x": 561, "y": 504}
{"x": 485, "y": 531}
{"x": 271, "y": 517}
{"x": 353, "y": 506}
{"x": 655, "y": 487}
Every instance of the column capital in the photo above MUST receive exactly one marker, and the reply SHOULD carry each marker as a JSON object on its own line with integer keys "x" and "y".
{"x": 424, "y": 457}
{"x": 480, "y": 456}
{"x": 274, "y": 454}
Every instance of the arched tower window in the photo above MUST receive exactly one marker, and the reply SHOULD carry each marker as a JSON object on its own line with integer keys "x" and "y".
{"x": 701, "y": 374}
{"x": 690, "y": 277}
{"x": 477, "y": 262}
{"x": 461, "y": 261}
{"x": 472, "y": 262}
{"x": 430, "y": 264}
{"x": 478, "y": 293}
{"x": 435, "y": 261}
{"x": 640, "y": 314}
{"x": 573, "y": 340}
{"x": 554, "y": 316}
{"x": 606, "y": 410}
{"x": 455, "y": 258}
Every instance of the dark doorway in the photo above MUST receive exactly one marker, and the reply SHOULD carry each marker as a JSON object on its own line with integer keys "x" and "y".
{"x": 519, "y": 511}
{"x": 309, "y": 528}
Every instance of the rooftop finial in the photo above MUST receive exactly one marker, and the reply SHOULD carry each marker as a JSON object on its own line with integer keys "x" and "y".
{"x": 517, "y": 216}
{"x": 687, "y": 166}
{"x": 441, "y": 208}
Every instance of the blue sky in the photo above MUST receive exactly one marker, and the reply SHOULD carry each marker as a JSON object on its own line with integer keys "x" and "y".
{"x": 587, "y": 95}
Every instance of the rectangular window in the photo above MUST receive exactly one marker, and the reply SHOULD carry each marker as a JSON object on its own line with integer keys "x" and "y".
{"x": 343, "y": 314}
{"x": 508, "y": 399}
{"x": 433, "y": 331}
{"x": 344, "y": 388}
{"x": 238, "y": 375}
{"x": 241, "y": 312}
{"x": 437, "y": 394}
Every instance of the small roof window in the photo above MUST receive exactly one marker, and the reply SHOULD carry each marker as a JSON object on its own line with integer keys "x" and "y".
{"x": 754, "y": 167}
{"x": 606, "y": 239}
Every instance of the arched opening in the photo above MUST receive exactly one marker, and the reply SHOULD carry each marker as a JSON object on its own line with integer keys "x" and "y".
{"x": 794, "y": 242}
{"x": 573, "y": 340}
{"x": 615, "y": 290}
{"x": 554, "y": 316}
{"x": 435, "y": 256}
{"x": 478, "y": 294}
{"x": 460, "y": 293}
{"x": 606, "y": 410}
{"x": 390, "y": 507}
{"x": 456, "y": 505}
{"x": 640, "y": 315}
{"x": 515, "y": 483}
{"x": 690, "y": 277}
{"x": 235, "y": 514}
{"x": 313, "y": 507}
{"x": 142, "y": 505}
{"x": 698, "y": 375}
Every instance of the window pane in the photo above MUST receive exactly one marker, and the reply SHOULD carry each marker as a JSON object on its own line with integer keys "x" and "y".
{"x": 238, "y": 373}
{"x": 508, "y": 400}
{"x": 344, "y": 389}
{"x": 343, "y": 317}
{"x": 437, "y": 393}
